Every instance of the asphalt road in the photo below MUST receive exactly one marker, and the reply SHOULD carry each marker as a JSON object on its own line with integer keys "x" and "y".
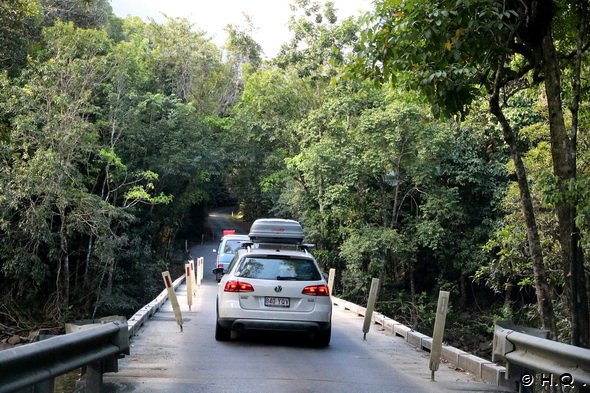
{"x": 164, "y": 359}
{"x": 221, "y": 219}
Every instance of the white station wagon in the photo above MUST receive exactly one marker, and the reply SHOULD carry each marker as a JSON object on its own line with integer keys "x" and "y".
{"x": 274, "y": 283}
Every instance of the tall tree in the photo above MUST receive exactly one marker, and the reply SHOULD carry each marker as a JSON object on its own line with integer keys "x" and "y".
{"x": 272, "y": 102}
{"x": 20, "y": 24}
{"x": 454, "y": 49}
{"x": 87, "y": 14}
{"x": 244, "y": 54}
{"x": 185, "y": 63}
{"x": 51, "y": 140}
{"x": 320, "y": 42}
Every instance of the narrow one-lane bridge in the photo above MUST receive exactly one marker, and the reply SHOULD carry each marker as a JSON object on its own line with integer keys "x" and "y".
{"x": 164, "y": 359}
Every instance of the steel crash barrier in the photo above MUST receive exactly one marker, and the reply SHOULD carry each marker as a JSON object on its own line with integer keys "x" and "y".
{"x": 33, "y": 367}
{"x": 532, "y": 359}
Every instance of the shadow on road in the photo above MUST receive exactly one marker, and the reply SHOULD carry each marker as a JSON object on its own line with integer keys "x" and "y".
{"x": 272, "y": 338}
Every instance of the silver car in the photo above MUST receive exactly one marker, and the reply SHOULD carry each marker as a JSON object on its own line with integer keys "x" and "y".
{"x": 228, "y": 247}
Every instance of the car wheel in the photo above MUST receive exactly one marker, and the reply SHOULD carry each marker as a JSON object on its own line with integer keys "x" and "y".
{"x": 221, "y": 333}
{"x": 322, "y": 338}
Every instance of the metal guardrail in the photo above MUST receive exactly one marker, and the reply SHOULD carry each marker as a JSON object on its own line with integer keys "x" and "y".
{"x": 36, "y": 365}
{"x": 526, "y": 349}
{"x": 33, "y": 367}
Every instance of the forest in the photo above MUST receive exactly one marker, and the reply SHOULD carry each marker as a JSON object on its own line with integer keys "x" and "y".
{"x": 434, "y": 145}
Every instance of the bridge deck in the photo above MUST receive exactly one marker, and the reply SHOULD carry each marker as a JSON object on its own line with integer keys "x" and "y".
{"x": 164, "y": 359}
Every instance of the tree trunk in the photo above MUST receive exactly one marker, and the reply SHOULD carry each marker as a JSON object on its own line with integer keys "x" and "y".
{"x": 415, "y": 317}
{"x": 65, "y": 261}
{"x": 110, "y": 275}
{"x": 508, "y": 298}
{"x": 87, "y": 265}
{"x": 412, "y": 280}
{"x": 544, "y": 298}
{"x": 563, "y": 153}
{"x": 463, "y": 291}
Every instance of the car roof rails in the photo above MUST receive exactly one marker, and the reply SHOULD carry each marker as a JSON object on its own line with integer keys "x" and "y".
{"x": 307, "y": 246}
{"x": 246, "y": 244}
{"x": 279, "y": 246}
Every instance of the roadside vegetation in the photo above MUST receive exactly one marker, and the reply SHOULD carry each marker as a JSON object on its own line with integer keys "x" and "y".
{"x": 437, "y": 147}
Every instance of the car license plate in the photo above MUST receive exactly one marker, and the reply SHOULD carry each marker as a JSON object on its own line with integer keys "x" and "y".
{"x": 276, "y": 301}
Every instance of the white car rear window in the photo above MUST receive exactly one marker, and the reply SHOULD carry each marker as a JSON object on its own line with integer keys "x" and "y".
{"x": 272, "y": 268}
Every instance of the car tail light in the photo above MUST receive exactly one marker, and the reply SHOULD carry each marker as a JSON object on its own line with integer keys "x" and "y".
{"x": 238, "y": 286}
{"x": 220, "y": 265}
{"x": 316, "y": 290}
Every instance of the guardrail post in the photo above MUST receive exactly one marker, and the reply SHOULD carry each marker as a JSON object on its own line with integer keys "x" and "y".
{"x": 111, "y": 364}
{"x": 94, "y": 377}
{"x": 41, "y": 387}
{"x": 46, "y": 386}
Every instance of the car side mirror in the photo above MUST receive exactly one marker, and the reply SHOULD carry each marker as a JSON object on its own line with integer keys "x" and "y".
{"x": 218, "y": 270}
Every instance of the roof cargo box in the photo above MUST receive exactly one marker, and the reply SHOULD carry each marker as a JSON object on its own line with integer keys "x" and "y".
{"x": 276, "y": 230}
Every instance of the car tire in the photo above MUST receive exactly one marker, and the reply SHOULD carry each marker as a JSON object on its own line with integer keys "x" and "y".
{"x": 221, "y": 333}
{"x": 322, "y": 338}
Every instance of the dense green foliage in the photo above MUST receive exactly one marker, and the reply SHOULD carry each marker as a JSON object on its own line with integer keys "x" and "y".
{"x": 117, "y": 136}
{"x": 107, "y": 157}
{"x": 455, "y": 52}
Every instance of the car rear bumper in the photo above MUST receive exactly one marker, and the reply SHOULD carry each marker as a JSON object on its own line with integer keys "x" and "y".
{"x": 242, "y": 324}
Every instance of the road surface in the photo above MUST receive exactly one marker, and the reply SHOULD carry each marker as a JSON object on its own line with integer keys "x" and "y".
{"x": 222, "y": 219}
{"x": 164, "y": 359}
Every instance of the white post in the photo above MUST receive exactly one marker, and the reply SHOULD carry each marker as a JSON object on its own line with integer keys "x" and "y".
{"x": 200, "y": 263}
{"x": 439, "y": 330}
{"x": 173, "y": 299}
{"x": 189, "y": 285}
{"x": 193, "y": 279}
{"x": 331, "y": 275}
{"x": 370, "y": 306}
